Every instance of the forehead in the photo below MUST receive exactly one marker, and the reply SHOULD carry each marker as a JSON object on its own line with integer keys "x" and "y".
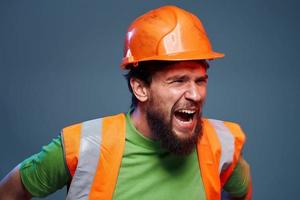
{"x": 191, "y": 68}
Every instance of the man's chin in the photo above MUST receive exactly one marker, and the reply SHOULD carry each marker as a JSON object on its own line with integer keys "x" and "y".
{"x": 174, "y": 138}
{"x": 183, "y": 129}
{"x": 183, "y": 134}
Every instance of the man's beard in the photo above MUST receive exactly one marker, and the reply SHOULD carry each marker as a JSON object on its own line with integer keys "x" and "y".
{"x": 168, "y": 138}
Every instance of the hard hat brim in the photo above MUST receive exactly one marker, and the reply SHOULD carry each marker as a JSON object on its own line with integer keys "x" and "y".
{"x": 191, "y": 55}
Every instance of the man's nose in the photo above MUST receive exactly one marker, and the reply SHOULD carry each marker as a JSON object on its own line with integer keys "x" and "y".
{"x": 193, "y": 93}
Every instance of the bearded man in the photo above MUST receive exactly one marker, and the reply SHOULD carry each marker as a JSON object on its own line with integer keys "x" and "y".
{"x": 162, "y": 148}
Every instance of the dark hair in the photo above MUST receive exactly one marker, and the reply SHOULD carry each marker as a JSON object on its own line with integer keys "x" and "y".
{"x": 145, "y": 71}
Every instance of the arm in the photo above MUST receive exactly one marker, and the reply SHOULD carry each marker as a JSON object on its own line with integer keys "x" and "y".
{"x": 239, "y": 184}
{"x": 11, "y": 187}
{"x": 248, "y": 195}
{"x": 37, "y": 176}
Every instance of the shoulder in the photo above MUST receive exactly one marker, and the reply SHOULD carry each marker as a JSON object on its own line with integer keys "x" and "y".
{"x": 225, "y": 128}
{"x": 78, "y": 126}
{"x": 85, "y": 137}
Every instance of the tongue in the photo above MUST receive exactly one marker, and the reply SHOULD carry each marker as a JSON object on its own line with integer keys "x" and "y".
{"x": 182, "y": 116}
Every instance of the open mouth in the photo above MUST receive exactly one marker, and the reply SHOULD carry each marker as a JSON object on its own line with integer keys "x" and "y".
{"x": 185, "y": 115}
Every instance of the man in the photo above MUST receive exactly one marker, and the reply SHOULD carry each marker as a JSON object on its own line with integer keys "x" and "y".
{"x": 162, "y": 148}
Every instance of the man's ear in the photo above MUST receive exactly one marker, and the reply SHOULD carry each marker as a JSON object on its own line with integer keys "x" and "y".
{"x": 139, "y": 89}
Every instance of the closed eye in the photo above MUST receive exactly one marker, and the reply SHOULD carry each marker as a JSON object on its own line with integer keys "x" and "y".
{"x": 202, "y": 79}
{"x": 177, "y": 79}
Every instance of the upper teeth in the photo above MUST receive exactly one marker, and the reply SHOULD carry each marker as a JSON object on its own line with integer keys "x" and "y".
{"x": 187, "y": 111}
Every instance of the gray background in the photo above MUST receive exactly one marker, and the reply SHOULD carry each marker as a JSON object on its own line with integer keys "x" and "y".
{"x": 59, "y": 64}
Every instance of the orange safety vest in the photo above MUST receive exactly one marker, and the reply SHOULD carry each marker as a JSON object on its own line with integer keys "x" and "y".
{"x": 94, "y": 149}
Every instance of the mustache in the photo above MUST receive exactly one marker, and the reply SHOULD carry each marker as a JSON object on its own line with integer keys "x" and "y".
{"x": 188, "y": 105}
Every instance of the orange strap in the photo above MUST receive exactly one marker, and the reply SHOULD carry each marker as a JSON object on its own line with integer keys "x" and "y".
{"x": 71, "y": 143}
{"x": 112, "y": 147}
{"x": 209, "y": 156}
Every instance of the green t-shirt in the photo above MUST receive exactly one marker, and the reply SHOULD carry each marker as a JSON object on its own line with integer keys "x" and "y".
{"x": 147, "y": 171}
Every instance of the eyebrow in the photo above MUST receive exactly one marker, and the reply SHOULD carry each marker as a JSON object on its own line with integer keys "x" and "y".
{"x": 202, "y": 78}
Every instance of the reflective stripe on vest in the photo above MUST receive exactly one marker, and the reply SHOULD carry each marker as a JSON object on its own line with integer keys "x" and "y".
{"x": 227, "y": 144}
{"x": 90, "y": 141}
{"x": 99, "y": 146}
{"x": 239, "y": 141}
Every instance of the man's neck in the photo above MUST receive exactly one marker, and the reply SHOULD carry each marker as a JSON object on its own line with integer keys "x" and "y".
{"x": 139, "y": 120}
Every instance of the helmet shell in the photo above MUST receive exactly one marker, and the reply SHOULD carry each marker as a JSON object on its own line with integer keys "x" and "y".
{"x": 167, "y": 33}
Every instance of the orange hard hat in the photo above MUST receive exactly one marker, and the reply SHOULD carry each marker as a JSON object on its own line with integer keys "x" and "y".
{"x": 167, "y": 33}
